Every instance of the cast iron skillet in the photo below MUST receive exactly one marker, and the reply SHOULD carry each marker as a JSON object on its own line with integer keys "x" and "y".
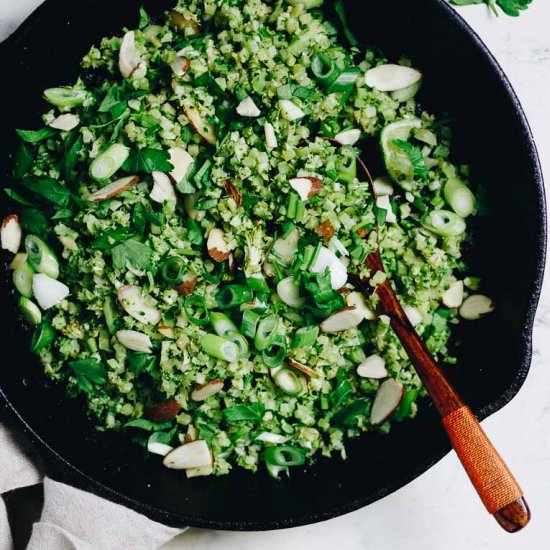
{"x": 491, "y": 134}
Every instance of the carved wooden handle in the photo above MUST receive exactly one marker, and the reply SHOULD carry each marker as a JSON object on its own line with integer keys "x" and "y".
{"x": 490, "y": 476}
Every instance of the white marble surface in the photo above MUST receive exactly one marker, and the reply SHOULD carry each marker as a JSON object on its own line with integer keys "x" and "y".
{"x": 424, "y": 515}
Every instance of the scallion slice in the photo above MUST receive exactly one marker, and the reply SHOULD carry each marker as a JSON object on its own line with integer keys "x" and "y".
{"x": 22, "y": 279}
{"x": 267, "y": 330}
{"x": 173, "y": 270}
{"x": 109, "y": 313}
{"x": 196, "y": 310}
{"x": 444, "y": 223}
{"x": 42, "y": 337}
{"x": 324, "y": 69}
{"x": 219, "y": 347}
{"x": 276, "y": 353}
{"x": 348, "y": 166}
{"x": 233, "y": 296}
{"x": 41, "y": 257}
{"x": 459, "y": 197}
{"x": 30, "y": 311}
{"x": 239, "y": 340}
{"x": 279, "y": 459}
{"x": 257, "y": 283}
{"x": 249, "y": 323}
{"x": 345, "y": 80}
{"x": 65, "y": 97}
{"x": 221, "y": 323}
{"x": 108, "y": 162}
{"x": 288, "y": 381}
{"x": 305, "y": 336}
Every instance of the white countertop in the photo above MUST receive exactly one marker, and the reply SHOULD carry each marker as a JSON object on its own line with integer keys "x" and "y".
{"x": 440, "y": 510}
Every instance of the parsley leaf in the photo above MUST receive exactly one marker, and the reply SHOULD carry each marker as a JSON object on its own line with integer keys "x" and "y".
{"x": 23, "y": 161}
{"x": 33, "y": 221}
{"x": 141, "y": 362}
{"x": 510, "y": 7}
{"x": 341, "y": 13}
{"x": 48, "y": 188}
{"x": 243, "y": 413}
{"x": 147, "y": 425}
{"x": 34, "y": 136}
{"x": 15, "y": 196}
{"x": 415, "y": 156}
{"x": 112, "y": 236}
{"x": 137, "y": 254}
{"x": 143, "y": 18}
{"x": 88, "y": 372}
{"x": 148, "y": 160}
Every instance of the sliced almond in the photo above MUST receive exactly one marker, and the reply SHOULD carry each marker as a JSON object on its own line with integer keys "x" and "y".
{"x": 196, "y": 472}
{"x": 454, "y": 295}
{"x": 192, "y": 434}
{"x": 325, "y": 230}
{"x": 327, "y": 259}
{"x": 301, "y": 367}
{"x": 290, "y": 110}
{"x": 187, "y": 285}
{"x": 113, "y": 189}
{"x": 11, "y": 233}
{"x": 161, "y": 449}
{"x": 348, "y": 137}
{"x": 218, "y": 249}
{"x": 343, "y": 319}
{"x": 162, "y": 412}
{"x": 134, "y": 340}
{"x": 180, "y": 66}
{"x": 190, "y": 455}
{"x": 373, "y": 367}
{"x": 285, "y": 247}
{"x": 207, "y": 390}
{"x": 205, "y": 130}
{"x": 65, "y": 122}
{"x": 390, "y": 77}
{"x": 382, "y": 185}
{"x": 476, "y": 306}
{"x": 388, "y": 397}
{"x": 142, "y": 308}
{"x": 163, "y": 189}
{"x": 128, "y": 58}
{"x": 233, "y": 192}
{"x": 181, "y": 160}
{"x": 306, "y": 186}
{"x": 47, "y": 291}
{"x": 270, "y": 137}
{"x": 18, "y": 260}
{"x": 357, "y": 299}
{"x": 289, "y": 292}
{"x": 413, "y": 315}
{"x": 166, "y": 331}
{"x": 248, "y": 108}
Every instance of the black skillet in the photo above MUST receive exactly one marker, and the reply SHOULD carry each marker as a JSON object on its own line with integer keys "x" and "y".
{"x": 462, "y": 79}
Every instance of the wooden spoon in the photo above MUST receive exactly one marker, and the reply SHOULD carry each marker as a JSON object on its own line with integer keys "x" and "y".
{"x": 490, "y": 476}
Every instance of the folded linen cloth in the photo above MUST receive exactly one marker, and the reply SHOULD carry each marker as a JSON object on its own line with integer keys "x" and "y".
{"x": 71, "y": 519}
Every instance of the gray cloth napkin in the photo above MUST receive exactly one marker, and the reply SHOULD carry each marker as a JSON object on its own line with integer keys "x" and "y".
{"x": 71, "y": 519}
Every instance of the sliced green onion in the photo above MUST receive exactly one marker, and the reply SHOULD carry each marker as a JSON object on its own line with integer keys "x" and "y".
{"x": 22, "y": 279}
{"x": 257, "y": 283}
{"x": 30, "y": 311}
{"x": 173, "y": 270}
{"x": 348, "y": 166}
{"x": 459, "y": 197}
{"x": 300, "y": 211}
{"x": 279, "y": 459}
{"x": 91, "y": 344}
{"x": 444, "y": 223}
{"x": 41, "y": 257}
{"x": 42, "y": 337}
{"x": 305, "y": 336}
{"x": 324, "y": 69}
{"x": 233, "y": 296}
{"x": 219, "y": 347}
{"x": 276, "y": 353}
{"x": 267, "y": 330}
{"x": 288, "y": 381}
{"x": 239, "y": 340}
{"x": 291, "y": 205}
{"x": 344, "y": 81}
{"x": 249, "y": 323}
{"x": 221, "y": 323}
{"x": 108, "y": 162}
{"x": 109, "y": 313}
{"x": 65, "y": 97}
{"x": 196, "y": 310}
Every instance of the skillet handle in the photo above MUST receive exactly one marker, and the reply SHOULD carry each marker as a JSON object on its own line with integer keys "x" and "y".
{"x": 493, "y": 481}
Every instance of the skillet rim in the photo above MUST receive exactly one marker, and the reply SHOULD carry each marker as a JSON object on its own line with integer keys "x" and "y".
{"x": 72, "y": 474}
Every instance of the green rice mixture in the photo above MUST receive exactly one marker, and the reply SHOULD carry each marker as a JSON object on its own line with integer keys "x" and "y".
{"x": 194, "y": 299}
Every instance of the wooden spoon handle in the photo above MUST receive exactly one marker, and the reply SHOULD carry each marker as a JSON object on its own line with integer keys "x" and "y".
{"x": 493, "y": 481}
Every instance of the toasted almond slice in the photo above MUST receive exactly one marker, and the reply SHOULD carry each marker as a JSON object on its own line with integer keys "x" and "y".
{"x": 306, "y": 186}
{"x": 166, "y": 331}
{"x": 163, "y": 190}
{"x": 190, "y": 455}
{"x": 205, "y": 130}
{"x": 343, "y": 319}
{"x": 18, "y": 260}
{"x": 218, "y": 249}
{"x": 187, "y": 285}
{"x": 162, "y": 412}
{"x": 285, "y": 248}
{"x": 276, "y": 439}
{"x": 128, "y": 58}
{"x": 160, "y": 449}
{"x": 47, "y": 291}
{"x": 11, "y": 233}
{"x": 476, "y": 306}
{"x": 207, "y": 390}
{"x": 338, "y": 271}
{"x": 357, "y": 299}
{"x": 134, "y": 340}
{"x": 290, "y": 110}
{"x": 196, "y": 472}
{"x": 248, "y": 108}
{"x": 325, "y": 230}
{"x": 180, "y": 66}
{"x": 181, "y": 160}
{"x": 388, "y": 397}
{"x": 113, "y": 189}
{"x": 373, "y": 367}
{"x": 382, "y": 185}
{"x": 413, "y": 315}
{"x": 65, "y": 122}
{"x": 301, "y": 367}
{"x": 389, "y": 78}
{"x": 142, "y": 308}
{"x": 454, "y": 295}
{"x": 192, "y": 434}
{"x": 289, "y": 292}
{"x": 270, "y": 137}
{"x": 233, "y": 192}
{"x": 348, "y": 137}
